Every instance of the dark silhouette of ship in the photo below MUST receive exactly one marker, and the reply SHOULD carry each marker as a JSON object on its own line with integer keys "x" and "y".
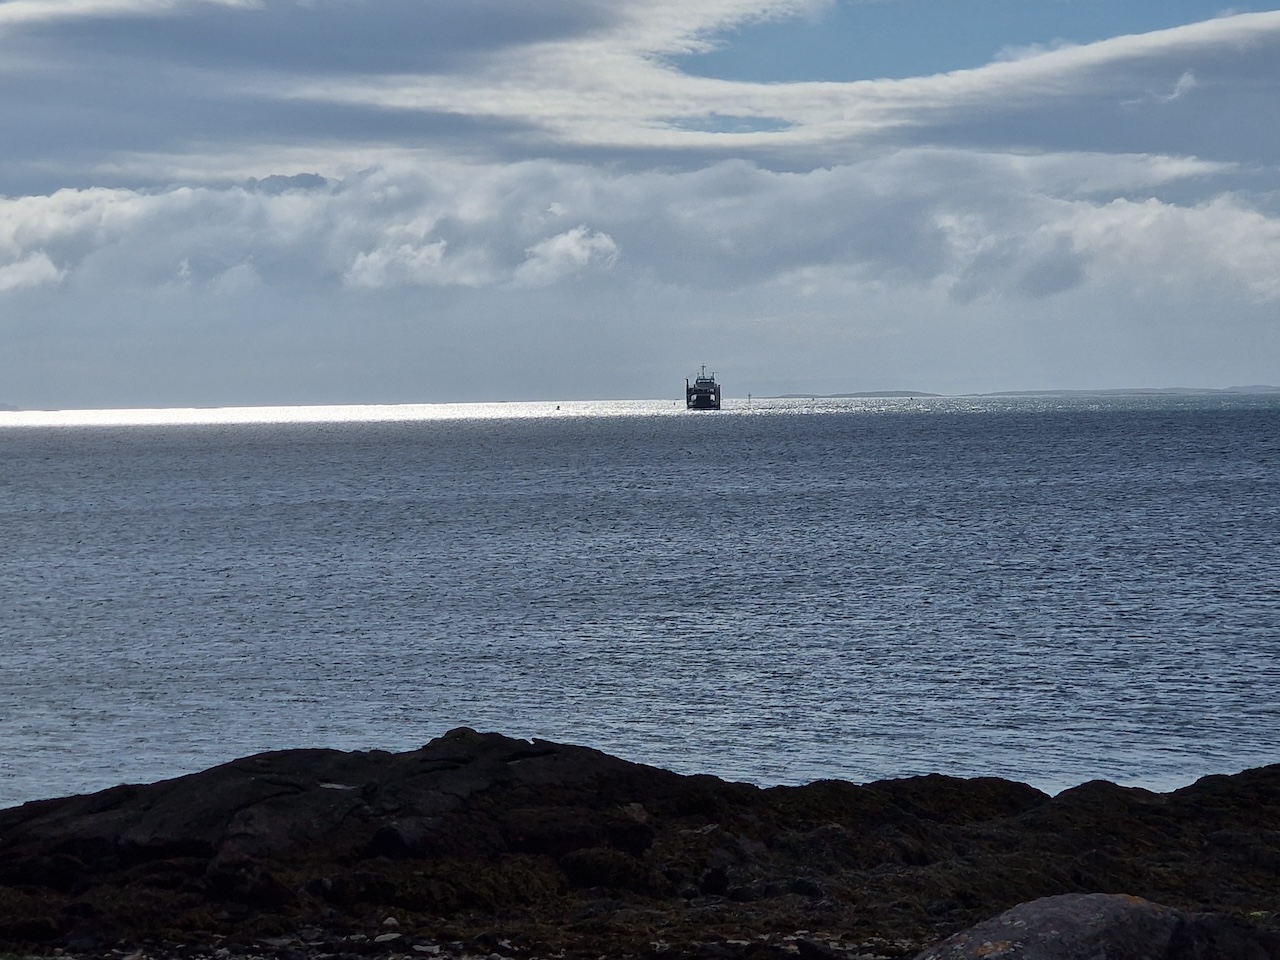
{"x": 703, "y": 393}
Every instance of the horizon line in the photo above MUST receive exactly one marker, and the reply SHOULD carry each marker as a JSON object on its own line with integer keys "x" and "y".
{"x": 318, "y": 413}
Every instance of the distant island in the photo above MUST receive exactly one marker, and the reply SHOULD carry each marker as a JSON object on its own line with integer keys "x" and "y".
{"x": 854, "y": 396}
{"x": 1112, "y": 392}
{"x": 1143, "y": 391}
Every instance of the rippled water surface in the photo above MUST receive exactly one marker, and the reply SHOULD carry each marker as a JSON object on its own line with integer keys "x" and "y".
{"x": 1047, "y": 590}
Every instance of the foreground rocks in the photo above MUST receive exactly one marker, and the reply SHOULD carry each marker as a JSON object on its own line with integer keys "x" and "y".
{"x": 1101, "y": 926}
{"x": 479, "y": 845}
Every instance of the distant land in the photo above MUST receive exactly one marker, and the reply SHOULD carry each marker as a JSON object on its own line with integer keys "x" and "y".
{"x": 1128, "y": 391}
{"x": 848, "y": 396}
{"x": 1114, "y": 392}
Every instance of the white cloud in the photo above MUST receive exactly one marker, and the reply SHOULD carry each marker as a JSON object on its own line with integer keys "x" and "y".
{"x": 237, "y": 280}
{"x": 1221, "y": 243}
{"x": 984, "y": 224}
{"x": 1181, "y": 87}
{"x": 423, "y": 264}
{"x": 565, "y": 254}
{"x": 23, "y": 12}
{"x": 401, "y": 264}
{"x": 1186, "y": 83}
{"x": 33, "y": 270}
{"x": 616, "y": 90}
{"x": 1030, "y": 50}
{"x": 670, "y": 27}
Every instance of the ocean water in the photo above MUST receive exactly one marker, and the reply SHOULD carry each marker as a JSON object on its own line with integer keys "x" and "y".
{"x": 1046, "y": 589}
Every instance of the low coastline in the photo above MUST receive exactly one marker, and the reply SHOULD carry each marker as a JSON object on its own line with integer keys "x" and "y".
{"x": 482, "y": 845}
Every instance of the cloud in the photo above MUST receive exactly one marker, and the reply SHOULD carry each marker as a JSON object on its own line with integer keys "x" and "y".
{"x": 565, "y": 254}
{"x": 1186, "y": 83}
{"x": 418, "y": 264}
{"x": 235, "y": 281}
{"x": 211, "y": 93}
{"x": 982, "y": 224}
{"x": 301, "y": 196}
{"x": 616, "y": 89}
{"x": 1219, "y": 243}
{"x": 33, "y": 270}
{"x": 26, "y": 12}
{"x": 188, "y": 90}
{"x": 1030, "y": 50}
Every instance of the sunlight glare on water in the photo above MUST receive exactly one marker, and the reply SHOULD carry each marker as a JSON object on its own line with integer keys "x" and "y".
{"x": 332, "y": 413}
{"x": 417, "y": 412}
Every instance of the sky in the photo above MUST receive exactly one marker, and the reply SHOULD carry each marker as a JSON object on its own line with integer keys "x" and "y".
{"x": 243, "y": 202}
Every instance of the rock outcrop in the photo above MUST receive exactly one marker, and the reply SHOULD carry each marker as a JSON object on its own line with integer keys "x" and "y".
{"x": 483, "y": 844}
{"x": 1099, "y": 926}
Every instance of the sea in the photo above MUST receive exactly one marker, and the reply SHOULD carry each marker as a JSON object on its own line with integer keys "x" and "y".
{"x": 1050, "y": 589}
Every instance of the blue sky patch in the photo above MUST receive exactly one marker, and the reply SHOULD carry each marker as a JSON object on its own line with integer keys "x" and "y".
{"x": 907, "y": 38}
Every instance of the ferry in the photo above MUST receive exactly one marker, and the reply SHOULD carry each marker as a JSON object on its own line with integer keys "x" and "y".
{"x": 703, "y": 393}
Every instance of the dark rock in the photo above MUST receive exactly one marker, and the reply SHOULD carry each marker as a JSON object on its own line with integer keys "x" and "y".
{"x": 606, "y": 867}
{"x": 632, "y": 836}
{"x": 714, "y": 882}
{"x": 807, "y": 887}
{"x": 1105, "y": 927}
{"x": 554, "y": 831}
{"x": 753, "y": 892}
{"x": 246, "y": 881}
{"x": 84, "y": 941}
{"x": 717, "y": 950}
{"x": 405, "y": 838}
{"x": 813, "y": 950}
{"x": 478, "y": 832}
{"x": 1215, "y": 937}
{"x": 24, "y": 930}
{"x": 62, "y": 872}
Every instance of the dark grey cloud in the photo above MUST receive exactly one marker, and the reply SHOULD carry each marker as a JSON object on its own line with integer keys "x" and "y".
{"x": 88, "y": 95}
{"x": 1230, "y": 111}
{"x": 81, "y": 92}
{"x": 323, "y": 36}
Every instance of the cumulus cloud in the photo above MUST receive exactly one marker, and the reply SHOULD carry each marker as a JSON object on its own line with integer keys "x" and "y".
{"x": 984, "y": 224}
{"x": 565, "y": 254}
{"x": 237, "y": 280}
{"x": 33, "y": 270}
{"x": 1159, "y": 244}
{"x": 422, "y": 264}
{"x": 405, "y": 263}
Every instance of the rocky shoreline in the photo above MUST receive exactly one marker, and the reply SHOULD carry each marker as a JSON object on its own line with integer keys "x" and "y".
{"x": 478, "y": 845}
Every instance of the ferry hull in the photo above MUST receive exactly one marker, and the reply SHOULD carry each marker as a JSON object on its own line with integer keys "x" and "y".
{"x": 703, "y": 393}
